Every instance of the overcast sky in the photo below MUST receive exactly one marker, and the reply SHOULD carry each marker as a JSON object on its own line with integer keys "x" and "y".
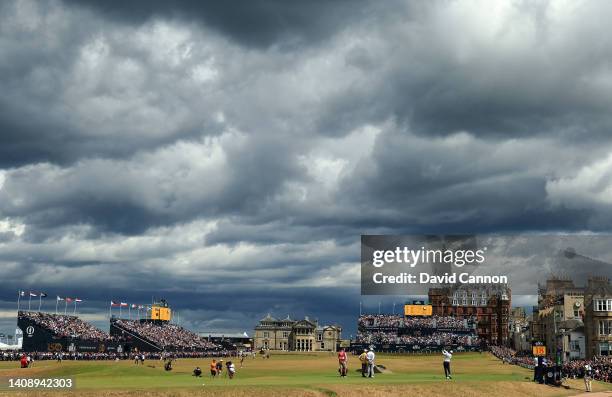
{"x": 228, "y": 157}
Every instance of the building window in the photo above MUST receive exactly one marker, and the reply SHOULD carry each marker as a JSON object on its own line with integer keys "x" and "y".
{"x": 483, "y": 301}
{"x": 605, "y": 327}
{"x": 266, "y": 334}
{"x": 322, "y": 345}
{"x": 464, "y": 301}
{"x": 576, "y": 313}
{"x": 474, "y": 302}
{"x": 285, "y": 334}
{"x": 603, "y": 305}
{"x": 319, "y": 337}
{"x": 455, "y": 302}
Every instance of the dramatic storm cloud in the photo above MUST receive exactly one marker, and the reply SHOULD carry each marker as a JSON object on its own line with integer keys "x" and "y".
{"x": 228, "y": 156}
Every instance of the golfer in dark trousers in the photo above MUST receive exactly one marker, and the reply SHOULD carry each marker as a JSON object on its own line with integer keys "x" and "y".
{"x": 447, "y": 360}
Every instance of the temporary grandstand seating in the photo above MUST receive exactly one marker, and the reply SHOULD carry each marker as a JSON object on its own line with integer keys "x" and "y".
{"x": 64, "y": 326}
{"x": 431, "y": 331}
{"x": 163, "y": 335}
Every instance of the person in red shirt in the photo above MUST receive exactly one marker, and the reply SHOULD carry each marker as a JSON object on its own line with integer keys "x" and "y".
{"x": 343, "y": 361}
{"x": 24, "y": 361}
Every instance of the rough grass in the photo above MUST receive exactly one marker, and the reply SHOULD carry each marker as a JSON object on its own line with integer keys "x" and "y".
{"x": 301, "y": 375}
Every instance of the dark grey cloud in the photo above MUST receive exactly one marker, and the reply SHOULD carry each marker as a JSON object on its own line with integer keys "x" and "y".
{"x": 191, "y": 148}
{"x": 251, "y": 23}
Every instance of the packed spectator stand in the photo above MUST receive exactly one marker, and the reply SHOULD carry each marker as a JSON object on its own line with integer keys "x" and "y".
{"x": 430, "y": 331}
{"x": 160, "y": 335}
{"x": 166, "y": 336}
{"x": 62, "y": 325}
{"x": 433, "y": 339}
{"x": 377, "y": 321}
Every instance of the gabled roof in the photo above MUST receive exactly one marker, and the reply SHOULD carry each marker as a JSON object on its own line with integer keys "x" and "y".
{"x": 268, "y": 318}
{"x": 306, "y": 323}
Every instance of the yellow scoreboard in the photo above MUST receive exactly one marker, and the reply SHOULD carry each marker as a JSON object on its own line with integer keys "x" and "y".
{"x": 161, "y": 313}
{"x": 539, "y": 350}
{"x": 417, "y": 310}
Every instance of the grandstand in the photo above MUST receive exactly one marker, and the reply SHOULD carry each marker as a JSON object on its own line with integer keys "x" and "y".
{"x": 49, "y": 332}
{"x": 64, "y": 326}
{"x": 59, "y": 332}
{"x": 386, "y": 332}
{"x": 148, "y": 335}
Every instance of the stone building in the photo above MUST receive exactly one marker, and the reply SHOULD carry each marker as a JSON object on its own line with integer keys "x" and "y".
{"x": 598, "y": 317}
{"x": 295, "y": 335}
{"x": 520, "y": 337}
{"x": 558, "y": 321}
{"x": 490, "y": 304}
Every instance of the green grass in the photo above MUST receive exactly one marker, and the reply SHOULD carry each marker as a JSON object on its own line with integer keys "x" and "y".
{"x": 475, "y": 374}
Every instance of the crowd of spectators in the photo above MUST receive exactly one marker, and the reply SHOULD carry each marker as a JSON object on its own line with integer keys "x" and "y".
{"x": 601, "y": 368}
{"x": 380, "y": 321}
{"x": 65, "y": 326}
{"x": 41, "y": 356}
{"x": 433, "y": 339}
{"x": 510, "y": 356}
{"x": 372, "y": 321}
{"x": 601, "y": 365}
{"x": 165, "y": 335}
{"x": 432, "y": 331}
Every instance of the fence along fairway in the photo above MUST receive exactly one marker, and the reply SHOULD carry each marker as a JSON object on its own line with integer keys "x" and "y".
{"x": 295, "y": 374}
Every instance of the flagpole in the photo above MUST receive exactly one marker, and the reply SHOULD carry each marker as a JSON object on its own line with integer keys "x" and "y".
{"x": 110, "y": 308}
{"x": 56, "y": 303}
{"x": 65, "y": 306}
{"x": 119, "y": 310}
{"x": 130, "y": 312}
{"x": 39, "y": 301}
{"x": 74, "y": 312}
{"x": 29, "y": 300}
{"x": 18, "y": 299}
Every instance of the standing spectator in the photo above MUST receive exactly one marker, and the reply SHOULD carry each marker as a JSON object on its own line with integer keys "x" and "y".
{"x": 588, "y": 377}
{"x": 213, "y": 368}
{"x": 343, "y": 361}
{"x": 219, "y": 367}
{"x": 363, "y": 358}
{"x": 371, "y": 363}
{"x": 231, "y": 369}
